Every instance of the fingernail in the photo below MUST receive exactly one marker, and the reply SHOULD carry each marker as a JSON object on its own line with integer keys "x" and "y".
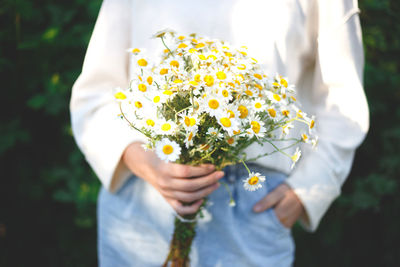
{"x": 257, "y": 208}
{"x": 220, "y": 174}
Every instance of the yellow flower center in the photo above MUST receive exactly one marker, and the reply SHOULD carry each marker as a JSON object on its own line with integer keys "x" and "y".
{"x": 149, "y": 80}
{"x": 258, "y": 76}
{"x": 197, "y": 78}
{"x": 253, "y": 180}
{"x": 257, "y": 105}
{"x": 142, "y": 62}
{"x": 166, "y": 127}
{"x": 214, "y": 104}
{"x": 167, "y": 92}
{"x": 221, "y": 75}
{"x": 135, "y": 50}
{"x": 156, "y": 99}
{"x": 209, "y": 80}
{"x": 241, "y": 67}
{"x": 194, "y": 83}
{"x": 142, "y": 87}
{"x": 231, "y": 114}
{"x": 200, "y": 45}
{"x": 182, "y": 45}
{"x": 243, "y": 111}
{"x": 230, "y": 141}
{"x": 192, "y": 50}
{"x": 138, "y": 104}
{"x": 304, "y": 137}
{"x": 285, "y": 112}
{"x": 174, "y": 63}
{"x": 236, "y": 132}
{"x": 212, "y": 56}
{"x": 190, "y": 136}
{"x": 178, "y": 81}
{"x": 163, "y": 71}
{"x": 312, "y": 124}
{"x": 150, "y": 122}
{"x": 225, "y": 93}
{"x": 120, "y": 96}
{"x": 272, "y": 112}
{"x": 226, "y": 122}
{"x": 167, "y": 149}
{"x": 181, "y": 37}
{"x": 249, "y": 93}
{"x": 277, "y": 97}
{"x": 255, "y": 126}
{"x": 284, "y": 82}
{"x": 187, "y": 121}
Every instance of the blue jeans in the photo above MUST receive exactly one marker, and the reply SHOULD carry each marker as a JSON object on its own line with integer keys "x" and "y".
{"x": 135, "y": 226}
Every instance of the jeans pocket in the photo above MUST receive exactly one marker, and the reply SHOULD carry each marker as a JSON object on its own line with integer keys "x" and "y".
{"x": 276, "y": 221}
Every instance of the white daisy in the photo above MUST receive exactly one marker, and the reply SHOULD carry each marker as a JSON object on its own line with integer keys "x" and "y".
{"x": 256, "y": 127}
{"x": 189, "y": 138}
{"x": 253, "y": 182}
{"x": 168, "y": 150}
{"x": 230, "y": 125}
{"x": 165, "y": 127}
{"x": 120, "y": 94}
{"x": 212, "y": 104}
{"x": 296, "y": 156}
{"x": 214, "y": 132}
{"x": 258, "y": 105}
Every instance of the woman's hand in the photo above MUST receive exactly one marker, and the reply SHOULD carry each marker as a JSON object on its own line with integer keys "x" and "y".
{"x": 288, "y": 207}
{"x": 177, "y": 183}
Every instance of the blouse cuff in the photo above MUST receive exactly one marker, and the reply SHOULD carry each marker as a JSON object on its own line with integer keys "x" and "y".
{"x": 316, "y": 186}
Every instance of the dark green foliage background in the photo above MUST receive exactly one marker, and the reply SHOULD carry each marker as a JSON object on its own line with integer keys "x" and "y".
{"x": 48, "y": 193}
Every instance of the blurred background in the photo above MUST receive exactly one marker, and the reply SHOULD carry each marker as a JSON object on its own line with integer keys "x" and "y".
{"x": 48, "y": 192}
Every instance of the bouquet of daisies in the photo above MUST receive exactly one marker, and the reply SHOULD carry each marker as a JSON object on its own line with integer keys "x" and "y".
{"x": 205, "y": 101}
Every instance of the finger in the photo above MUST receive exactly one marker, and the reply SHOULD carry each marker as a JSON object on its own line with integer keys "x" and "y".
{"x": 186, "y": 171}
{"x": 192, "y": 185}
{"x": 183, "y": 209}
{"x": 192, "y": 196}
{"x": 268, "y": 201}
{"x": 289, "y": 209}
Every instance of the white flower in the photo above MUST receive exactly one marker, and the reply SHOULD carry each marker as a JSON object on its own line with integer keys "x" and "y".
{"x": 120, "y": 94}
{"x": 162, "y": 33}
{"x": 212, "y": 104}
{"x": 296, "y": 156}
{"x": 230, "y": 125}
{"x": 165, "y": 127}
{"x": 215, "y": 133}
{"x": 258, "y": 105}
{"x": 189, "y": 138}
{"x": 157, "y": 98}
{"x": 253, "y": 182}
{"x": 190, "y": 120}
{"x": 168, "y": 150}
{"x": 256, "y": 127}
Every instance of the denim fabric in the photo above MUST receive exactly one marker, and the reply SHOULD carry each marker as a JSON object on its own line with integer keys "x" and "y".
{"x": 136, "y": 225}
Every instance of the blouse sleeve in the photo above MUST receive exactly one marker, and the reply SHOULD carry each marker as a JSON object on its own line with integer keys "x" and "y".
{"x": 340, "y": 106}
{"x": 100, "y": 135}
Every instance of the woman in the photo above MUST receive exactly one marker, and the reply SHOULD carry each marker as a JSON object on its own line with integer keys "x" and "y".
{"x": 316, "y": 44}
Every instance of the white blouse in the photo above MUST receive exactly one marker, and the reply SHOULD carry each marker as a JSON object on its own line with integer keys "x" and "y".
{"x": 315, "y": 43}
